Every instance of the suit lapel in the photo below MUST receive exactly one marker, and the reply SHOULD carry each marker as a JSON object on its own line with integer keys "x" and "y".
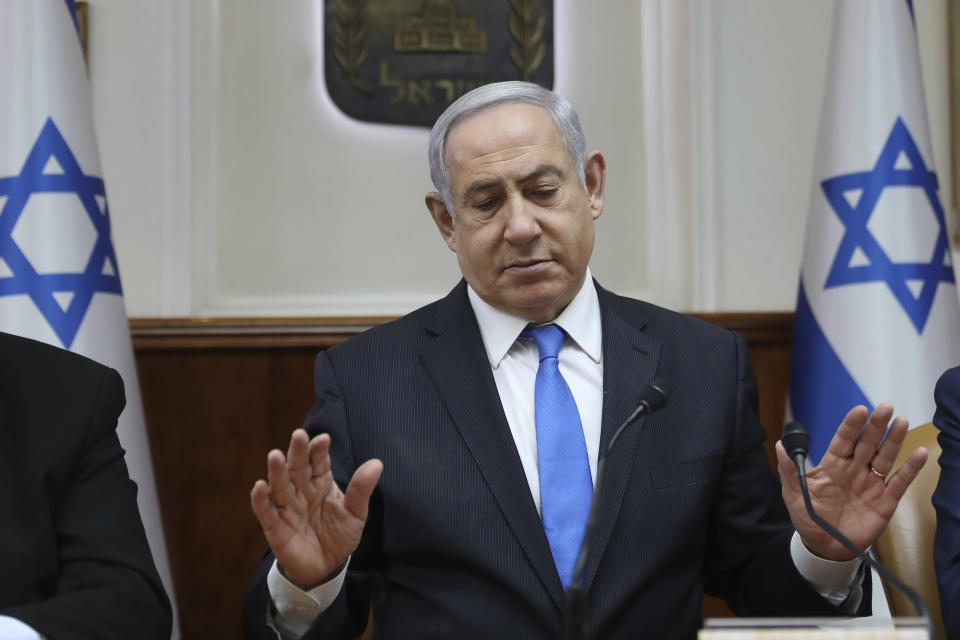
{"x": 630, "y": 359}
{"x": 457, "y": 363}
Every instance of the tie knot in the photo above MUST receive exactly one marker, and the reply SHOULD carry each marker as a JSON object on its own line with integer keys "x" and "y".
{"x": 549, "y": 338}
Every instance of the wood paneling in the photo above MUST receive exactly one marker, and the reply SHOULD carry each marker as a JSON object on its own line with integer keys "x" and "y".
{"x": 220, "y": 393}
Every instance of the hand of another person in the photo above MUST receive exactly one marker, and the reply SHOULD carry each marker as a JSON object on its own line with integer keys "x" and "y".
{"x": 311, "y": 526}
{"x": 855, "y": 487}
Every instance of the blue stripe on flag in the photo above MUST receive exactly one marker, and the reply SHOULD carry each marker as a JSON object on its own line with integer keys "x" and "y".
{"x": 821, "y": 389}
{"x": 72, "y": 8}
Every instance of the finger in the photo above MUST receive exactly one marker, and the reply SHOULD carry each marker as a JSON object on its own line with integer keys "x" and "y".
{"x": 787, "y": 469}
{"x": 364, "y": 481}
{"x": 297, "y": 451}
{"x": 297, "y": 461}
{"x": 897, "y": 483}
{"x": 281, "y": 489}
{"x": 263, "y": 509}
{"x": 320, "y": 455}
{"x": 845, "y": 439}
{"x": 886, "y": 455}
{"x": 873, "y": 433}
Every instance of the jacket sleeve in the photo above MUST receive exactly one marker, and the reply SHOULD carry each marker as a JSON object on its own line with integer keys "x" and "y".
{"x": 348, "y": 614}
{"x": 749, "y": 563}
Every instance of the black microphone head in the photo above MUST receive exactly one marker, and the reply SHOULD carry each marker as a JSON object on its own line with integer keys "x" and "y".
{"x": 795, "y": 439}
{"x": 654, "y": 395}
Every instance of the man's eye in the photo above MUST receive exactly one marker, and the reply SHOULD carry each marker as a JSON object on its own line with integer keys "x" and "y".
{"x": 485, "y": 205}
{"x": 545, "y": 194}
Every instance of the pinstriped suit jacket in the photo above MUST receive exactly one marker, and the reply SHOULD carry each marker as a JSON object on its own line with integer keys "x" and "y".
{"x": 454, "y": 546}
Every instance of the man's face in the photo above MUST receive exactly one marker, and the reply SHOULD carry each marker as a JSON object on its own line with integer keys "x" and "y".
{"x": 523, "y": 230}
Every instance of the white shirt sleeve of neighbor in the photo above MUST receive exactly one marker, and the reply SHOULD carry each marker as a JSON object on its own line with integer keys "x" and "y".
{"x": 13, "y": 629}
{"x": 294, "y": 609}
{"x": 841, "y": 583}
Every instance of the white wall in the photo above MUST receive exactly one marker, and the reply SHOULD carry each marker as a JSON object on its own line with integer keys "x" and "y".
{"x": 771, "y": 62}
{"x": 236, "y": 187}
{"x": 139, "y": 69}
{"x": 770, "y": 65}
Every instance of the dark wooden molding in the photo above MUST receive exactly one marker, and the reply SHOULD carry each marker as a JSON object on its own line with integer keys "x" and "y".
{"x": 756, "y": 326}
{"x": 82, "y": 21}
{"x": 200, "y": 333}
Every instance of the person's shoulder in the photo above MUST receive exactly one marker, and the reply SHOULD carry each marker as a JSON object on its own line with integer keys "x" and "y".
{"x": 26, "y": 360}
{"x": 403, "y": 332}
{"x": 947, "y": 392}
{"x": 950, "y": 378}
{"x": 54, "y": 391}
{"x": 659, "y": 320}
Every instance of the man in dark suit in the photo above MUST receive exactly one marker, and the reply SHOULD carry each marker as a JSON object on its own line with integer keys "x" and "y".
{"x": 946, "y": 499}
{"x": 459, "y": 537}
{"x": 74, "y": 559}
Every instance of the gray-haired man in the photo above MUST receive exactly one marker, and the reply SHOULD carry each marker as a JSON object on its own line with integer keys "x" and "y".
{"x": 433, "y": 425}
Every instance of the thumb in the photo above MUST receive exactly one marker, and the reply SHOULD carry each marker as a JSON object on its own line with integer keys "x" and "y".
{"x": 364, "y": 481}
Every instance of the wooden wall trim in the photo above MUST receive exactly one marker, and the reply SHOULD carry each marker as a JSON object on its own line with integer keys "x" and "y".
{"x": 200, "y": 333}
{"x": 757, "y": 327}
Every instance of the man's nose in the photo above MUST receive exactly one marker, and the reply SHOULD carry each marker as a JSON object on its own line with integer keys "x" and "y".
{"x": 522, "y": 223}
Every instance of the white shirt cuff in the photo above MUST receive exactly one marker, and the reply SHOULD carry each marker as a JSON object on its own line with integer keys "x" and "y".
{"x": 837, "y": 581}
{"x": 14, "y": 629}
{"x": 296, "y": 609}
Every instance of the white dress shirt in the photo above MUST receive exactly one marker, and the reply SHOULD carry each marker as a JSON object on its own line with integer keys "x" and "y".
{"x": 514, "y": 362}
{"x": 14, "y": 629}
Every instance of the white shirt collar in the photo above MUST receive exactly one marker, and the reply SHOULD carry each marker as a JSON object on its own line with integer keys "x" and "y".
{"x": 580, "y": 319}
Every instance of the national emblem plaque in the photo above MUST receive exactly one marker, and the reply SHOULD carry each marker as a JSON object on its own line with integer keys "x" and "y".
{"x": 405, "y": 61}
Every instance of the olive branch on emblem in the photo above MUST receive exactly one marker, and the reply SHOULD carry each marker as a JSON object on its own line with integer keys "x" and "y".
{"x": 350, "y": 40}
{"x": 526, "y": 24}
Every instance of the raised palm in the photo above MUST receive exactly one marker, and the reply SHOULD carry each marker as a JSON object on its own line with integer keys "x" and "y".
{"x": 854, "y": 487}
{"x": 312, "y": 527}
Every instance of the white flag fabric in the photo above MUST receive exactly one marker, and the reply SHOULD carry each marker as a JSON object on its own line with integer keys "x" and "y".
{"x": 877, "y": 316}
{"x": 59, "y": 281}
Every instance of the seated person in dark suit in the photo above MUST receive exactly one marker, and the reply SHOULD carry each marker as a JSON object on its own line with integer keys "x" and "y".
{"x": 946, "y": 499}
{"x": 74, "y": 559}
{"x": 466, "y": 435}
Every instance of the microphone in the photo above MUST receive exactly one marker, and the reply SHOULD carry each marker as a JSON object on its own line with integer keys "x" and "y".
{"x": 796, "y": 441}
{"x": 652, "y": 398}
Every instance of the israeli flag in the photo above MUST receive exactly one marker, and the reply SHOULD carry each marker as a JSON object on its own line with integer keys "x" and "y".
{"x": 59, "y": 279}
{"x": 878, "y": 317}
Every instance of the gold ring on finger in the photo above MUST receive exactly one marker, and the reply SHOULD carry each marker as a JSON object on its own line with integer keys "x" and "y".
{"x": 882, "y": 476}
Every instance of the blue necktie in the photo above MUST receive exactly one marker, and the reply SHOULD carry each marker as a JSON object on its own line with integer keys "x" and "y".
{"x": 565, "y": 485}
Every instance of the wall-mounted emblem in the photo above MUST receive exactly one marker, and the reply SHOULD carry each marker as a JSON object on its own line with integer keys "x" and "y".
{"x": 405, "y": 61}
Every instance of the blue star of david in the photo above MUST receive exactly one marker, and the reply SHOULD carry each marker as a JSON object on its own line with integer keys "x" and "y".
{"x": 25, "y": 279}
{"x": 884, "y": 175}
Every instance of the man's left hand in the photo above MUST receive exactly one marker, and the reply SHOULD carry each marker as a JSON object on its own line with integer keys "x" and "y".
{"x": 855, "y": 487}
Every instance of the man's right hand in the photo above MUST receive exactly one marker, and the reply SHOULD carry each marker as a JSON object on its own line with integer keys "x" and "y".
{"x": 311, "y": 526}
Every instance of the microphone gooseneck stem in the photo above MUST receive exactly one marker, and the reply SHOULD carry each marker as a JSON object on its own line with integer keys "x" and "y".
{"x": 801, "y": 463}
{"x": 575, "y": 619}
{"x": 653, "y": 397}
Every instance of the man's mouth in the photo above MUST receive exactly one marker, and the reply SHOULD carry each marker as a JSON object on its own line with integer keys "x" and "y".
{"x": 527, "y": 265}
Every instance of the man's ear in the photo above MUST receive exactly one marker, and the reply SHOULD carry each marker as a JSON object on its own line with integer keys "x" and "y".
{"x": 595, "y": 173}
{"x": 442, "y": 218}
